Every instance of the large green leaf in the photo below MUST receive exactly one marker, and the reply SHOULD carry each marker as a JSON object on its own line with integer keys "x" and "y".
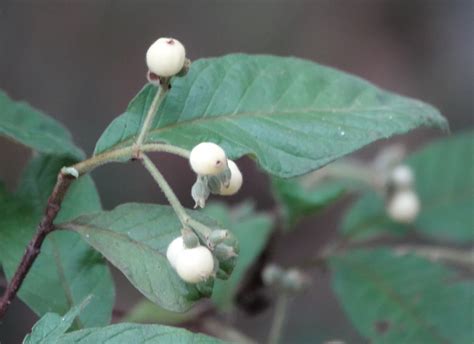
{"x": 252, "y": 230}
{"x": 134, "y": 237}
{"x": 393, "y": 299}
{"x": 292, "y": 115}
{"x": 51, "y": 329}
{"x": 66, "y": 270}
{"x": 298, "y": 200}
{"x": 30, "y": 127}
{"x": 444, "y": 174}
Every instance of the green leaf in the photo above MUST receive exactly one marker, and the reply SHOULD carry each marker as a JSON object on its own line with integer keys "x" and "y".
{"x": 134, "y": 237}
{"x": 66, "y": 270}
{"x": 125, "y": 333}
{"x": 393, "y": 299}
{"x": 52, "y": 325}
{"x": 445, "y": 186}
{"x": 51, "y": 329}
{"x": 252, "y": 230}
{"x": 34, "y": 129}
{"x": 293, "y": 115}
{"x": 366, "y": 219}
{"x": 299, "y": 201}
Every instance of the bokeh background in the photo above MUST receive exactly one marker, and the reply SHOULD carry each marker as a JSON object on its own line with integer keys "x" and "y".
{"x": 81, "y": 61}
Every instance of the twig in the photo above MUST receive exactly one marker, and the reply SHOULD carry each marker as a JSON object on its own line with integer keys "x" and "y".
{"x": 125, "y": 154}
{"x": 278, "y": 319}
{"x": 33, "y": 249}
{"x": 435, "y": 254}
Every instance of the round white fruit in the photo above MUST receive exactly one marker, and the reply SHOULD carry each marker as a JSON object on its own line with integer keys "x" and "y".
{"x": 207, "y": 158}
{"x": 402, "y": 176}
{"x": 195, "y": 265}
{"x": 165, "y": 57}
{"x": 404, "y": 206}
{"x": 235, "y": 180}
{"x": 174, "y": 249}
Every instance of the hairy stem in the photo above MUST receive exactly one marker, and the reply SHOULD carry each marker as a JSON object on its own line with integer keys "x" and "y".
{"x": 278, "y": 319}
{"x": 164, "y": 186}
{"x": 201, "y": 230}
{"x": 33, "y": 249}
{"x": 125, "y": 154}
{"x": 160, "y": 95}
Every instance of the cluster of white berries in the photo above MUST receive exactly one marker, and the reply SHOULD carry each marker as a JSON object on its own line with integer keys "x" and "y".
{"x": 165, "y": 58}
{"x": 194, "y": 264}
{"x": 215, "y": 173}
{"x": 403, "y": 204}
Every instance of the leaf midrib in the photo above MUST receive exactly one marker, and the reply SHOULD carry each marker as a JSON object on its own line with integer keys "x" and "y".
{"x": 231, "y": 116}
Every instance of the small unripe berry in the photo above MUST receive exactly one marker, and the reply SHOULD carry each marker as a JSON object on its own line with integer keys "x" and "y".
{"x": 402, "y": 177}
{"x": 207, "y": 158}
{"x": 404, "y": 206}
{"x": 235, "y": 180}
{"x": 174, "y": 249}
{"x": 195, "y": 265}
{"x": 165, "y": 57}
{"x": 272, "y": 274}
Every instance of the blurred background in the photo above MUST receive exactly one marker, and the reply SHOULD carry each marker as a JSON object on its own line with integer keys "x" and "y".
{"x": 81, "y": 61}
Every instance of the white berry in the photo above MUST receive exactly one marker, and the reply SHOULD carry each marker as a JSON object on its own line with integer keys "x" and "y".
{"x": 402, "y": 177}
{"x": 404, "y": 206}
{"x": 235, "y": 180}
{"x": 165, "y": 57}
{"x": 207, "y": 158}
{"x": 195, "y": 264}
{"x": 174, "y": 249}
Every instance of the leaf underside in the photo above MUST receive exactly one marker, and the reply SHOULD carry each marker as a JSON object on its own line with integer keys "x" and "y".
{"x": 32, "y": 128}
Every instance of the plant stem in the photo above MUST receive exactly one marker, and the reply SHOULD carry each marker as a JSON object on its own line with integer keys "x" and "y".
{"x": 159, "y": 96}
{"x": 200, "y": 229}
{"x": 33, "y": 249}
{"x": 278, "y": 319}
{"x": 435, "y": 254}
{"x": 164, "y": 186}
{"x": 345, "y": 169}
{"x": 162, "y": 147}
{"x": 126, "y": 153}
